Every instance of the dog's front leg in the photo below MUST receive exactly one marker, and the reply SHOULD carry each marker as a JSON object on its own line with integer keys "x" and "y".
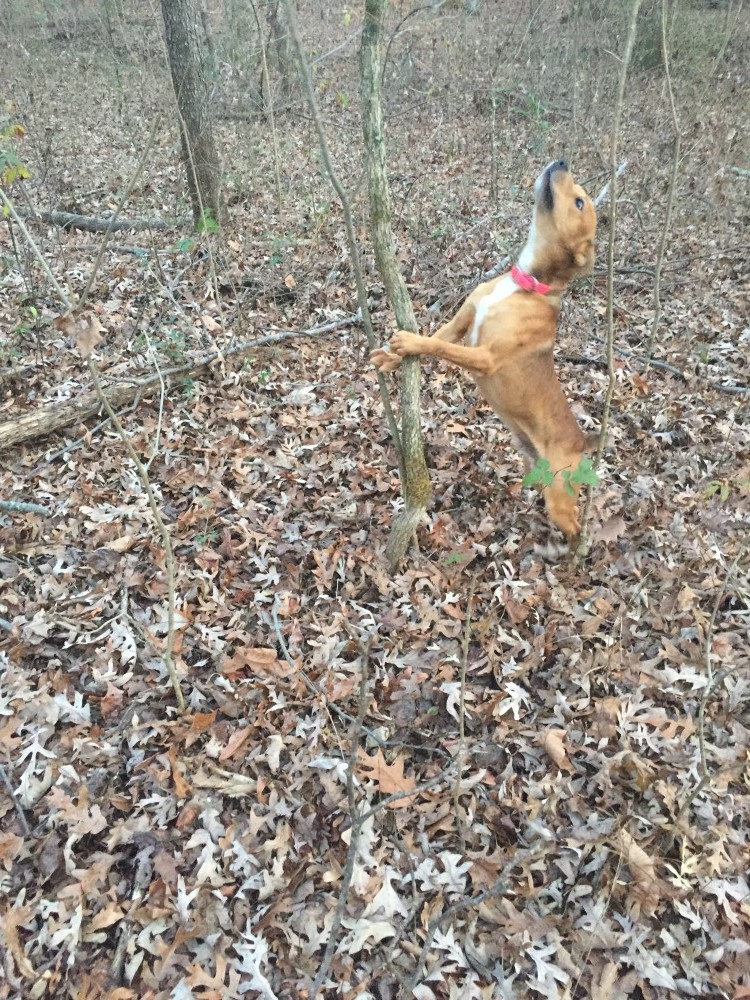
{"x": 453, "y": 331}
{"x": 479, "y": 360}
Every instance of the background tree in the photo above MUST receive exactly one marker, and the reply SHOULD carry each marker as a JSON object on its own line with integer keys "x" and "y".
{"x": 188, "y": 65}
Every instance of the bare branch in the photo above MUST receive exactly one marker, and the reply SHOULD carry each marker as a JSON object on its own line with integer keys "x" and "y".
{"x": 614, "y": 140}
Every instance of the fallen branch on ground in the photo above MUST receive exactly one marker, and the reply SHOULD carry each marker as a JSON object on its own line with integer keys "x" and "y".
{"x": 21, "y": 507}
{"x": 93, "y": 223}
{"x": 39, "y": 423}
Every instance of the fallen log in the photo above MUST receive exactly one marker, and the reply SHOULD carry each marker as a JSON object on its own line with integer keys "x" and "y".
{"x": 40, "y": 423}
{"x": 93, "y": 223}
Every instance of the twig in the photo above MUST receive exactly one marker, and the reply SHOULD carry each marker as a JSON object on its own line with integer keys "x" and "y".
{"x": 605, "y": 190}
{"x": 21, "y": 507}
{"x": 11, "y": 211}
{"x": 501, "y": 885}
{"x": 310, "y": 683}
{"x": 461, "y": 752}
{"x": 18, "y": 807}
{"x": 355, "y": 830}
{"x": 126, "y": 192}
{"x": 35, "y": 423}
{"x": 712, "y": 680}
{"x": 672, "y": 185}
{"x": 626, "y": 352}
{"x": 71, "y": 446}
{"x": 497, "y": 269}
{"x": 336, "y": 184}
{"x": 409, "y": 793}
{"x": 611, "y": 382}
{"x": 166, "y": 540}
{"x": 739, "y": 171}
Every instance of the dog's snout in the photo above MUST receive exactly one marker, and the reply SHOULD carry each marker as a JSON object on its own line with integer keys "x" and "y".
{"x": 561, "y": 165}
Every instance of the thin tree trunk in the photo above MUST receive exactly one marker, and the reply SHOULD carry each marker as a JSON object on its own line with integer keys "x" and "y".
{"x": 416, "y": 485}
{"x": 188, "y": 65}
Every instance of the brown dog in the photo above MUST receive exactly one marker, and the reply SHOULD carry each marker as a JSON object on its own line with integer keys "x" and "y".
{"x": 508, "y": 328}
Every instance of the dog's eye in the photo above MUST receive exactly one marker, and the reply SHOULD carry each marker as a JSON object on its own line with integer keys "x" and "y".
{"x": 579, "y": 204}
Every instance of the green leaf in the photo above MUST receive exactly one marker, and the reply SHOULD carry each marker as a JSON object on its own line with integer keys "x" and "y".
{"x": 540, "y": 473}
{"x": 207, "y": 224}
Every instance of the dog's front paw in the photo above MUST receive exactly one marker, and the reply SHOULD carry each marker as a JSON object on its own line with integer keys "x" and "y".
{"x": 385, "y": 361}
{"x": 405, "y": 343}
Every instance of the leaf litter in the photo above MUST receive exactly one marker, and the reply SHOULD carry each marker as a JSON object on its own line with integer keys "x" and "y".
{"x": 598, "y": 799}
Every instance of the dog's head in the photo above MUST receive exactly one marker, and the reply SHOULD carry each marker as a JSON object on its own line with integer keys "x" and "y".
{"x": 564, "y": 222}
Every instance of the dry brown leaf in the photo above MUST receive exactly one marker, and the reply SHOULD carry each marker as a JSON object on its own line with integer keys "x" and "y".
{"x": 210, "y": 324}
{"x": 202, "y": 720}
{"x": 551, "y": 741}
{"x": 235, "y": 741}
{"x": 84, "y": 328}
{"x": 389, "y": 778}
{"x": 11, "y": 920}
{"x": 111, "y": 914}
{"x": 612, "y": 529}
{"x": 602, "y": 990}
{"x": 122, "y": 544}
{"x": 517, "y": 612}
{"x": 111, "y": 701}
{"x": 668, "y": 728}
{"x": 261, "y": 660}
{"x": 10, "y": 848}
{"x": 646, "y": 890}
{"x": 181, "y": 786}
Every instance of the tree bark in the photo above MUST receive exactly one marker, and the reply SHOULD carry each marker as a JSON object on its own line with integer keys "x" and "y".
{"x": 416, "y": 485}
{"x": 188, "y": 66}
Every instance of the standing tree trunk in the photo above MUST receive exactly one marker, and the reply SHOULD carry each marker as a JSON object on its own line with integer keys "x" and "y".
{"x": 416, "y": 485}
{"x": 281, "y": 51}
{"x": 188, "y": 65}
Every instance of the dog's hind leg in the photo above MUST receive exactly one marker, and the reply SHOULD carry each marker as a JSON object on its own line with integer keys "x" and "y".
{"x": 561, "y": 496}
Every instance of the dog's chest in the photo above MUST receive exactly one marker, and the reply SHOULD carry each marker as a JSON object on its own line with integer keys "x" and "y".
{"x": 505, "y": 287}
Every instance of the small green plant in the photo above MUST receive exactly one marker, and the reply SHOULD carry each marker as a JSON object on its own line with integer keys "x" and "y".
{"x": 724, "y": 488}
{"x": 455, "y": 557}
{"x": 541, "y": 474}
{"x": 11, "y": 167}
{"x": 583, "y": 475}
{"x": 27, "y": 321}
{"x": 720, "y": 486}
{"x": 172, "y": 345}
{"x": 207, "y": 224}
{"x": 264, "y": 375}
{"x": 209, "y": 535}
{"x": 535, "y": 111}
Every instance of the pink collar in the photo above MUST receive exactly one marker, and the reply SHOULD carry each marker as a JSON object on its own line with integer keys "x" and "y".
{"x": 528, "y": 282}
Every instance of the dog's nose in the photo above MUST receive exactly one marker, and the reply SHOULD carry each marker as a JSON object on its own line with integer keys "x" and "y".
{"x": 561, "y": 165}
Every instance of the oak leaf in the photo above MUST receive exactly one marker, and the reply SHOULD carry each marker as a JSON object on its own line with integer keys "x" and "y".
{"x": 390, "y": 778}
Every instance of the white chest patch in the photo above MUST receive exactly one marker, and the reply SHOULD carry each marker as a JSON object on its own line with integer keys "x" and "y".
{"x": 505, "y": 287}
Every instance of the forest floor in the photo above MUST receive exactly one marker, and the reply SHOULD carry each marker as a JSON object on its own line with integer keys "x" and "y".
{"x": 576, "y": 737}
